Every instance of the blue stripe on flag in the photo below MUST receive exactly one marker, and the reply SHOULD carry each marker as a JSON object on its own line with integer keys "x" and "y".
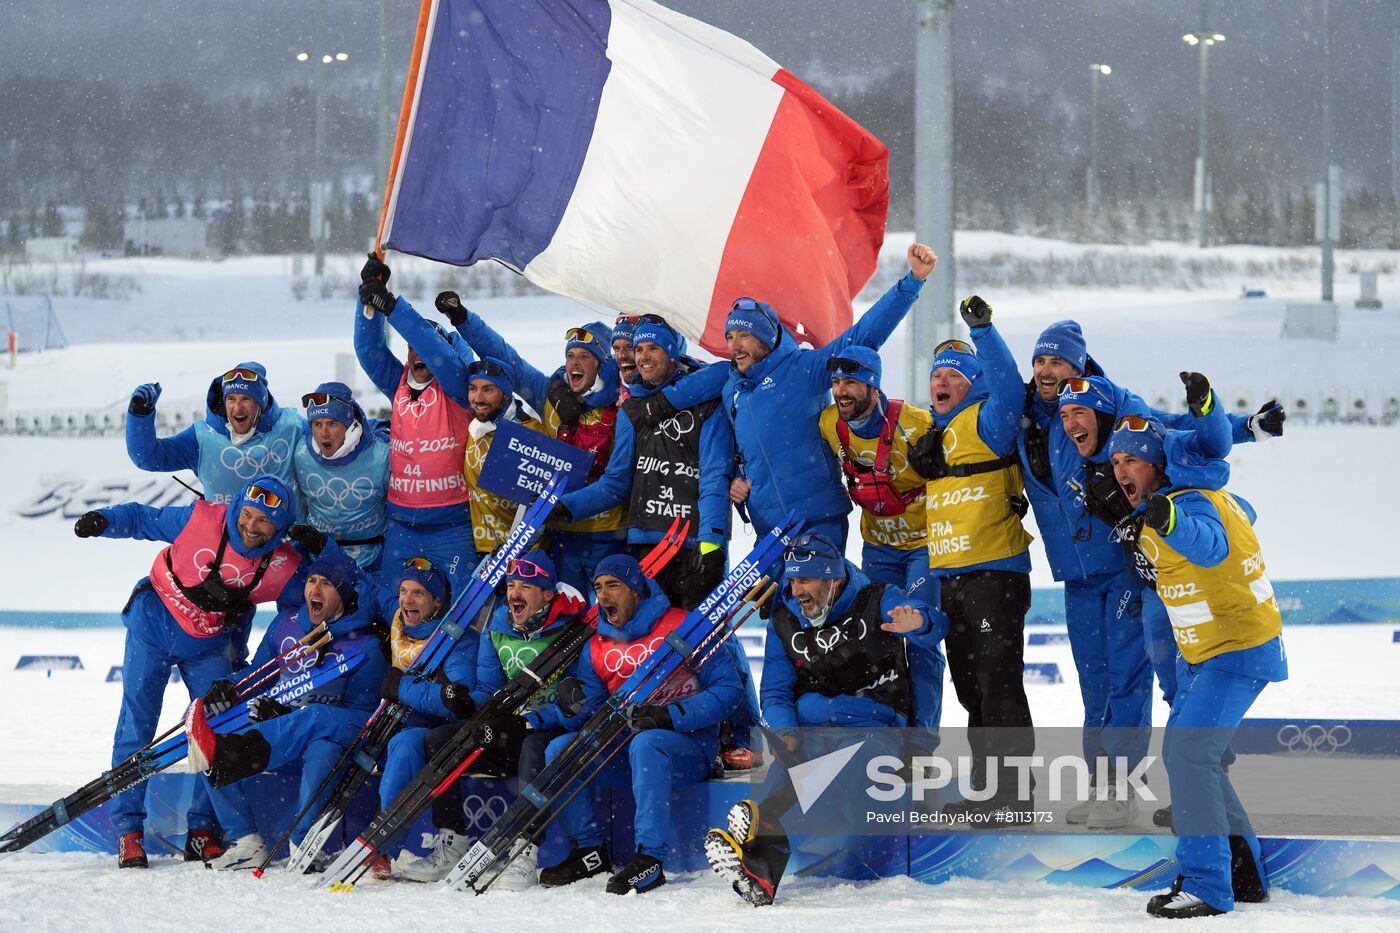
{"x": 506, "y": 111}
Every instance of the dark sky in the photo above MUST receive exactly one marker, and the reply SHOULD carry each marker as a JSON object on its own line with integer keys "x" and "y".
{"x": 1268, "y": 71}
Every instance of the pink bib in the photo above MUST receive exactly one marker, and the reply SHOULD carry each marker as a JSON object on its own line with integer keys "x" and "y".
{"x": 426, "y": 448}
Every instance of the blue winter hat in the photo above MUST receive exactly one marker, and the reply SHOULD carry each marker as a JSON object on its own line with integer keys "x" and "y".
{"x": 661, "y": 334}
{"x": 1095, "y": 392}
{"x": 494, "y": 371}
{"x": 332, "y": 400}
{"x": 626, "y": 569}
{"x": 813, "y": 556}
{"x": 273, "y": 498}
{"x": 959, "y": 355}
{"x": 248, "y": 379}
{"x": 622, "y": 329}
{"x": 1065, "y": 340}
{"x": 342, "y": 571}
{"x": 756, "y": 317}
{"x": 535, "y": 568}
{"x": 596, "y": 338}
{"x": 1142, "y": 438}
{"x": 426, "y": 573}
{"x": 856, "y": 362}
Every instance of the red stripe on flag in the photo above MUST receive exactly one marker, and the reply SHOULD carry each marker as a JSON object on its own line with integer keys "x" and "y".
{"x": 808, "y": 230}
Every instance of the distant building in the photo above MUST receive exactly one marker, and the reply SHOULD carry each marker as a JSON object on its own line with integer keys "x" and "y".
{"x": 186, "y": 237}
{"x": 51, "y": 249}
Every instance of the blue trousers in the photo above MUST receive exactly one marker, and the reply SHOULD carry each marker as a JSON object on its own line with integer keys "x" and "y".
{"x": 449, "y": 547}
{"x": 577, "y": 553}
{"x": 907, "y": 570}
{"x": 1103, "y": 613}
{"x": 1161, "y": 645}
{"x": 656, "y": 761}
{"x": 1206, "y": 811}
{"x": 312, "y": 738}
{"x": 154, "y": 643}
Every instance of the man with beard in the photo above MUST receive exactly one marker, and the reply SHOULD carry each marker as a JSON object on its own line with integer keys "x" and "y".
{"x": 622, "y": 353}
{"x": 577, "y": 404}
{"x": 871, "y": 436}
{"x": 537, "y": 610}
{"x": 244, "y": 433}
{"x": 220, "y": 562}
{"x": 311, "y": 733}
{"x": 428, "y": 491}
{"x": 490, "y": 393}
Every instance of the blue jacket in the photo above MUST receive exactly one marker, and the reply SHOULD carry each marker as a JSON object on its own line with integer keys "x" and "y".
{"x": 568, "y": 605}
{"x": 447, "y": 356}
{"x": 716, "y": 467}
{"x": 206, "y": 449}
{"x": 347, "y": 497}
{"x": 784, "y": 709}
{"x": 775, "y": 408}
{"x": 360, "y": 690}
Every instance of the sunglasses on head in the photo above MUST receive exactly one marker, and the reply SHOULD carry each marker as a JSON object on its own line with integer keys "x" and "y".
{"x": 520, "y": 567}
{"x": 320, "y": 398}
{"x": 845, "y": 367}
{"x": 1077, "y": 385}
{"x": 486, "y": 368}
{"x": 240, "y": 375}
{"x": 958, "y": 346}
{"x": 802, "y": 550}
{"x": 266, "y": 496}
{"x": 1136, "y": 423}
{"x": 419, "y": 563}
{"x": 578, "y": 334}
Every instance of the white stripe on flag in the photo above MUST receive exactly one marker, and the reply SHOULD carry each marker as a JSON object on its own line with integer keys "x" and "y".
{"x": 682, "y": 119}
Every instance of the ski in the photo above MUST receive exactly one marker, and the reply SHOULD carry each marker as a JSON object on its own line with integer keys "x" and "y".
{"x": 157, "y": 758}
{"x": 528, "y": 814}
{"x": 358, "y": 761}
{"x": 455, "y": 757}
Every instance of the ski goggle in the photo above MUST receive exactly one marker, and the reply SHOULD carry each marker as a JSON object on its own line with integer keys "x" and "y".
{"x": 844, "y": 367}
{"x": 526, "y": 569}
{"x": 1136, "y": 423}
{"x": 321, "y": 398}
{"x": 419, "y": 563}
{"x": 804, "y": 549}
{"x": 579, "y": 335}
{"x": 486, "y": 368}
{"x": 240, "y": 375}
{"x": 1077, "y": 385}
{"x": 745, "y": 304}
{"x": 958, "y": 346}
{"x": 264, "y": 495}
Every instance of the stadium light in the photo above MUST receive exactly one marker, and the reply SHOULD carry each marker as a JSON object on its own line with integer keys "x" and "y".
{"x": 318, "y": 219}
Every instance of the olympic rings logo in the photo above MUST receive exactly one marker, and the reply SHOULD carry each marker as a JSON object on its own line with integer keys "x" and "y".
{"x": 626, "y": 660}
{"x": 1314, "y": 739}
{"x": 475, "y": 454}
{"x": 482, "y": 812}
{"x": 679, "y": 426}
{"x": 824, "y": 639}
{"x": 336, "y": 492}
{"x": 247, "y": 462}
{"x": 416, "y": 407}
{"x": 302, "y": 660}
{"x": 515, "y": 657}
{"x": 230, "y": 573}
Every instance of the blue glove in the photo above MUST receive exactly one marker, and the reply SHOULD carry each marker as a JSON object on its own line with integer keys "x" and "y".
{"x": 143, "y": 399}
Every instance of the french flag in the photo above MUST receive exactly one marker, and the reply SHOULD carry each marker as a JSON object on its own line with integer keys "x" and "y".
{"x": 634, "y": 159}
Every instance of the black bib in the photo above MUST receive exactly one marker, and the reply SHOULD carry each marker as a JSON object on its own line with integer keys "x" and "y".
{"x": 666, "y": 471}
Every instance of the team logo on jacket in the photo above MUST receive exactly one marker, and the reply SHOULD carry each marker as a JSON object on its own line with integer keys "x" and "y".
{"x": 336, "y": 492}
{"x": 416, "y": 407}
{"x": 247, "y": 462}
{"x": 231, "y": 573}
{"x": 767, "y": 383}
{"x": 823, "y": 640}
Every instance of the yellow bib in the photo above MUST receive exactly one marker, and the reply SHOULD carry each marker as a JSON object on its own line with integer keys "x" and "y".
{"x": 970, "y": 519}
{"x": 403, "y": 647}
{"x": 492, "y": 515}
{"x": 908, "y": 530}
{"x": 1228, "y": 607}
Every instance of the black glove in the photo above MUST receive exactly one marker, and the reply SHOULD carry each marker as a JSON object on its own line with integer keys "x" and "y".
{"x": 449, "y": 304}
{"x": 221, "y": 696}
{"x": 1268, "y": 422}
{"x": 975, "y": 312}
{"x": 650, "y": 411}
{"x": 712, "y": 564}
{"x": 1160, "y": 514}
{"x": 389, "y": 686}
{"x": 143, "y": 399}
{"x": 90, "y": 525}
{"x": 560, "y": 514}
{"x": 569, "y": 696}
{"x": 374, "y": 270}
{"x": 457, "y": 698}
{"x": 308, "y": 537}
{"x": 375, "y": 296}
{"x": 926, "y": 456}
{"x": 503, "y": 731}
{"x": 261, "y": 709}
{"x": 646, "y": 716}
{"x": 1197, "y": 393}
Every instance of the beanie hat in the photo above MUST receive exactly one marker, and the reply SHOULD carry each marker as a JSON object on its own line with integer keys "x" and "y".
{"x": 856, "y": 362}
{"x": 949, "y": 356}
{"x": 339, "y": 406}
{"x": 1065, "y": 340}
{"x": 1146, "y": 444}
{"x": 600, "y": 345}
{"x": 248, "y": 379}
{"x": 813, "y": 556}
{"x": 494, "y": 371}
{"x": 1096, "y": 393}
{"x": 431, "y": 578}
{"x": 342, "y": 571}
{"x": 659, "y": 334}
{"x": 626, "y": 569}
{"x": 622, "y": 330}
{"x": 273, "y": 498}
{"x": 755, "y": 317}
{"x": 535, "y": 568}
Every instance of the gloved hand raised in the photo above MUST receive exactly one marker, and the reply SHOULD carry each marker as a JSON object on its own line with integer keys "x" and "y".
{"x": 374, "y": 270}
{"x": 375, "y": 297}
{"x": 143, "y": 399}
{"x": 1268, "y": 421}
{"x": 449, "y": 305}
{"x": 1160, "y": 514}
{"x": 90, "y": 524}
{"x": 1198, "y": 395}
{"x": 975, "y": 312}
